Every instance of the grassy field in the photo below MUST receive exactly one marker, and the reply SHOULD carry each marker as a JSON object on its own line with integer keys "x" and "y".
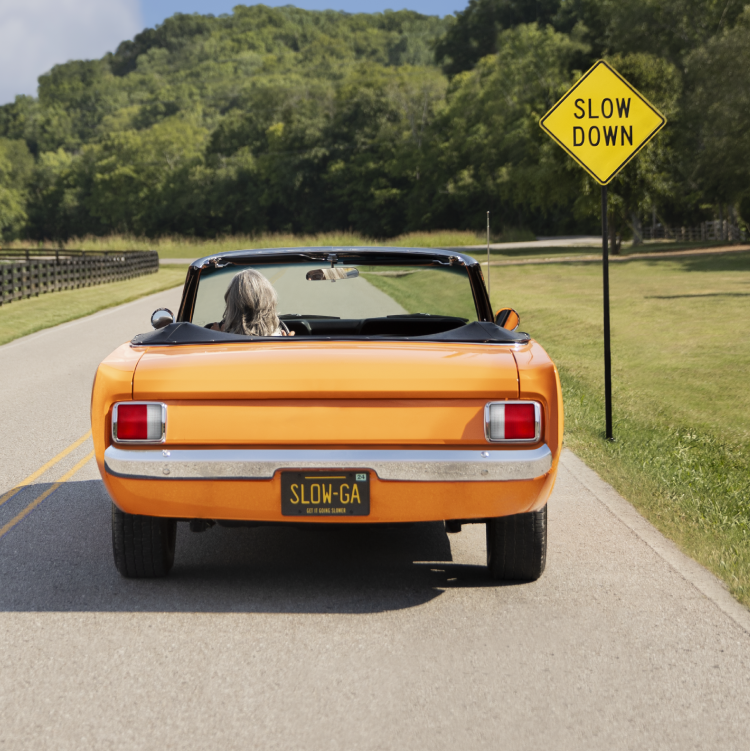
{"x": 185, "y": 247}
{"x": 27, "y": 316}
{"x": 190, "y": 248}
{"x": 681, "y": 358}
{"x": 542, "y": 251}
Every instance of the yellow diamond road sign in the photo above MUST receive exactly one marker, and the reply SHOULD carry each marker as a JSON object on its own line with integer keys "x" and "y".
{"x": 603, "y": 122}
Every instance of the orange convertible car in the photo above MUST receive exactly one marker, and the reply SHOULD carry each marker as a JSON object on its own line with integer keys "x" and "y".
{"x": 355, "y": 386}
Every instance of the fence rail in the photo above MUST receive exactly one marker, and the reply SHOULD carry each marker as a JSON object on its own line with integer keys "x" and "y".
{"x": 30, "y": 273}
{"x": 718, "y": 231}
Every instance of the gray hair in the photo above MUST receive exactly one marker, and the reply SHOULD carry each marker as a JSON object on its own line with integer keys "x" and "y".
{"x": 251, "y": 305}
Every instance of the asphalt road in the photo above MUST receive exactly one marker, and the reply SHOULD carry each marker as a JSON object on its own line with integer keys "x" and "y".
{"x": 342, "y": 639}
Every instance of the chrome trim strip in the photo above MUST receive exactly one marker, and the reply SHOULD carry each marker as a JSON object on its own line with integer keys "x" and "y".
{"x": 537, "y": 422}
{"x": 261, "y": 464}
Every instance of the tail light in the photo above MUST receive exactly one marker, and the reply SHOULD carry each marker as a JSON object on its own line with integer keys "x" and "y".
{"x": 139, "y": 422}
{"x": 513, "y": 421}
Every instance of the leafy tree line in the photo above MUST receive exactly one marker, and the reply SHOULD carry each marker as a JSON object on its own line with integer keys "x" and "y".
{"x": 288, "y": 120}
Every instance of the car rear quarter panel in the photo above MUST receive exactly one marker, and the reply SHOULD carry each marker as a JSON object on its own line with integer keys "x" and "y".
{"x": 538, "y": 379}
{"x": 113, "y": 383}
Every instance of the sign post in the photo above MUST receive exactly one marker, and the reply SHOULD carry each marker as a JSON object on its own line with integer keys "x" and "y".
{"x": 608, "y": 433}
{"x": 603, "y": 122}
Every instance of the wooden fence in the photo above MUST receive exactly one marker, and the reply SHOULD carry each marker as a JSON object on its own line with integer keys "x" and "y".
{"x": 30, "y": 273}
{"x": 722, "y": 231}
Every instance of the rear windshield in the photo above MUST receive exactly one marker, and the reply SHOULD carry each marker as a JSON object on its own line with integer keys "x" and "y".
{"x": 361, "y": 292}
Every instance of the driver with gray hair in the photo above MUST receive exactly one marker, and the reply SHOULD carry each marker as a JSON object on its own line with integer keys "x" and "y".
{"x": 251, "y": 307}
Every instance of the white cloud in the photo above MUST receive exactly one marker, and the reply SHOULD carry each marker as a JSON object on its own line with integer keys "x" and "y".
{"x": 35, "y": 35}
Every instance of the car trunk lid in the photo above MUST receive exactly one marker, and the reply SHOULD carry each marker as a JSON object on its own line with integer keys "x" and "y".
{"x": 327, "y": 370}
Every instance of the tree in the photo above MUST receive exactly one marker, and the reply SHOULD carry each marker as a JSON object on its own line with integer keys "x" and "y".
{"x": 382, "y": 126}
{"x": 716, "y": 146}
{"x": 280, "y": 119}
{"x": 16, "y": 165}
{"x": 490, "y": 152}
{"x": 141, "y": 181}
{"x": 650, "y": 181}
{"x": 474, "y": 34}
{"x": 670, "y": 29}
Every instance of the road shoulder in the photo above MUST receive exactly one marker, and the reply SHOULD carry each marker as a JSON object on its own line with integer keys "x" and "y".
{"x": 702, "y": 579}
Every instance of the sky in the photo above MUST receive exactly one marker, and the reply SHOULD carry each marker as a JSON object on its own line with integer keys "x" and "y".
{"x": 38, "y": 34}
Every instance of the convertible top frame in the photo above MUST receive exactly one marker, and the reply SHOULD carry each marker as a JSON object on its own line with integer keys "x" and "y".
{"x": 375, "y": 256}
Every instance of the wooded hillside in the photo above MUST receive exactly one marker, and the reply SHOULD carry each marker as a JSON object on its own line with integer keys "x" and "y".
{"x": 289, "y": 120}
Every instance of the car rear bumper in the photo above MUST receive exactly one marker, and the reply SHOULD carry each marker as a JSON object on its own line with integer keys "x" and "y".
{"x": 262, "y": 464}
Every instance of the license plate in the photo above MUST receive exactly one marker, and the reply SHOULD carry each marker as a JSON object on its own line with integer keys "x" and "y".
{"x": 326, "y": 494}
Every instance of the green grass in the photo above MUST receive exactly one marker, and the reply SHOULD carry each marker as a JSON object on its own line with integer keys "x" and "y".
{"x": 185, "y": 247}
{"x": 428, "y": 291}
{"x": 520, "y": 254}
{"x": 24, "y": 317}
{"x": 667, "y": 246}
{"x": 681, "y": 358}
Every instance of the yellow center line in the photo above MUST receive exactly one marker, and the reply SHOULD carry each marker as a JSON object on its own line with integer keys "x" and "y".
{"x": 42, "y": 470}
{"x": 12, "y": 523}
{"x": 277, "y": 275}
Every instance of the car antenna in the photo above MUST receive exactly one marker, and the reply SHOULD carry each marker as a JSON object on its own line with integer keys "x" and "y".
{"x": 488, "y": 258}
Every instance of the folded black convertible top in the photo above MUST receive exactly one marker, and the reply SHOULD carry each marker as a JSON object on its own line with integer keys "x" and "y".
{"x": 189, "y": 333}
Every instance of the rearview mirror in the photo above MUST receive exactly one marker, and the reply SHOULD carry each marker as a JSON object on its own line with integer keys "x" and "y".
{"x": 331, "y": 275}
{"x": 507, "y": 318}
{"x": 161, "y": 318}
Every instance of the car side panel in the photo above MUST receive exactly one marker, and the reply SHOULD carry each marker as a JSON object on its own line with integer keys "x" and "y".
{"x": 113, "y": 383}
{"x": 539, "y": 380}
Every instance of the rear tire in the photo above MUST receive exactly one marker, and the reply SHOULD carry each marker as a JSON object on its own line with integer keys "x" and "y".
{"x": 143, "y": 546}
{"x": 517, "y": 546}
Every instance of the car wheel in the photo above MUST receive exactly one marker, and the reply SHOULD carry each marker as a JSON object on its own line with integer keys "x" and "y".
{"x": 143, "y": 545}
{"x": 517, "y": 546}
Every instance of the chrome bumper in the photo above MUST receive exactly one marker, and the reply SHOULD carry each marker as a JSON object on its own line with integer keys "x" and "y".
{"x": 262, "y": 464}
